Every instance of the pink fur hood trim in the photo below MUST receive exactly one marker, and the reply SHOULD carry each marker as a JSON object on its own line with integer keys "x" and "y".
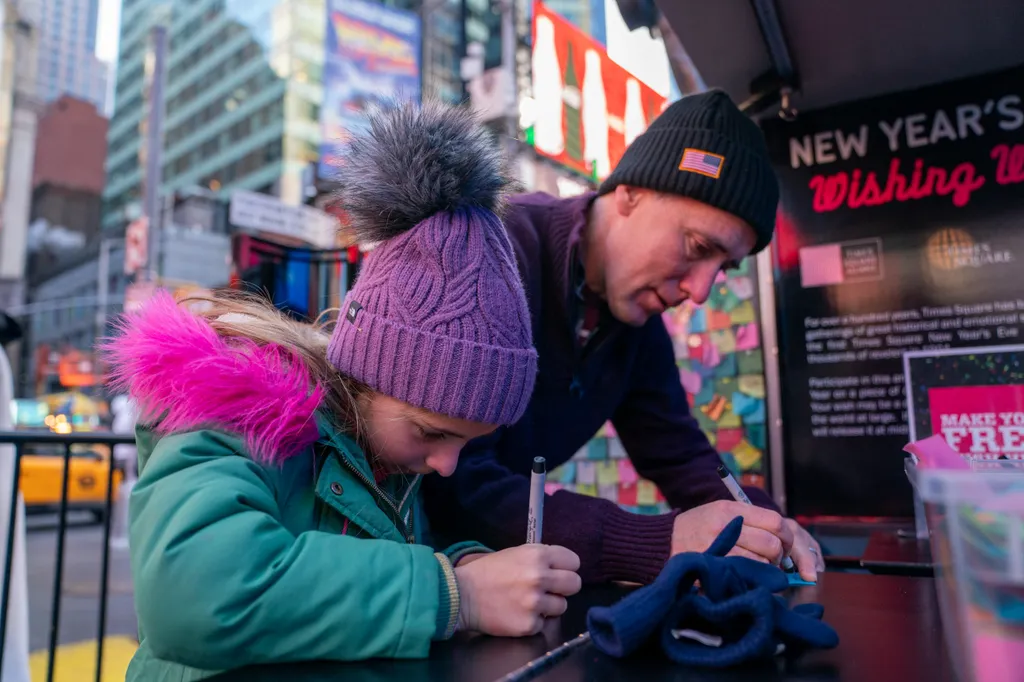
{"x": 180, "y": 371}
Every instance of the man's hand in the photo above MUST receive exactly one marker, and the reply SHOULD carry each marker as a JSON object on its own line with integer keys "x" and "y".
{"x": 766, "y": 536}
{"x": 806, "y": 553}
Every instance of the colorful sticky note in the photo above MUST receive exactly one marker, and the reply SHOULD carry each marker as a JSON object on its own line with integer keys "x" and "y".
{"x": 795, "y": 580}
{"x": 676, "y": 321}
{"x": 564, "y": 474}
{"x": 752, "y": 384}
{"x": 725, "y": 386}
{"x": 750, "y": 361}
{"x": 697, "y": 343}
{"x": 724, "y": 340}
{"x": 627, "y": 495}
{"x": 551, "y": 487}
{"x": 721, "y": 277}
{"x": 702, "y": 369}
{"x": 742, "y": 287}
{"x": 645, "y": 492}
{"x": 680, "y": 347}
{"x": 712, "y": 438}
{"x": 729, "y": 420}
{"x": 703, "y": 422}
{"x": 742, "y": 314}
{"x": 698, "y": 321}
{"x": 720, "y": 320}
{"x": 691, "y": 381}
{"x": 616, "y": 449}
{"x": 992, "y": 651}
{"x": 627, "y": 473}
{"x": 747, "y": 337}
{"x": 587, "y": 489}
{"x": 717, "y": 295}
{"x": 730, "y": 463}
{"x": 711, "y": 355}
{"x": 727, "y": 367}
{"x": 607, "y": 473}
{"x": 608, "y": 492}
{"x": 744, "y": 405}
{"x": 728, "y": 438}
{"x": 752, "y": 480}
{"x": 586, "y": 472}
{"x": 715, "y": 408}
{"x": 729, "y": 301}
{"x": 609, "y": 430}
{"x": 756, "y": 435}
{"x": 597, "y": 448}
{"x": 747, "y": 456}
{"x": 757, "y": 416}
{"x": 743, "y": 269}
{"x": 705, "y": 395}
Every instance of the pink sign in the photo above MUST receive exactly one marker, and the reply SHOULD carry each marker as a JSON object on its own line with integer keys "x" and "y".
{"x": 980, "y": 421}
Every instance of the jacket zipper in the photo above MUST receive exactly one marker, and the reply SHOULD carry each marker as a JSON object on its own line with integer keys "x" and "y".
{"x": 407, "y": 531}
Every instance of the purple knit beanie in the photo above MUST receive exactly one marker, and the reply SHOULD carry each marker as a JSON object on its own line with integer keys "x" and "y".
{"x": 438, "y": 317}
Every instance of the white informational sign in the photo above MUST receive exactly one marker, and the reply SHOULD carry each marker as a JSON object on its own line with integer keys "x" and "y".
{"x": 264, "y": 213}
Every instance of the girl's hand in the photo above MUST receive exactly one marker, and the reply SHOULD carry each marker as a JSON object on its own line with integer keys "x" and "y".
{"x": 511, "y": 592}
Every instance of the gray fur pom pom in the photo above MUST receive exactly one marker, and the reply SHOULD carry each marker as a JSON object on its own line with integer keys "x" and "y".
{"x": 414, "y": 161}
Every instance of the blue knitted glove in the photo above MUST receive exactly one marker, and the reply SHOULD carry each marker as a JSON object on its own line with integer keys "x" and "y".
{"x": 735, "y": 603}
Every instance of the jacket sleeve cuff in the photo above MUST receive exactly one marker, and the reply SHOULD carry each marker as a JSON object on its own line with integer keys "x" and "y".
{"x": 449, "y": 602}
{"x": 635, "y": 547}
{"x": 456, "y": 552}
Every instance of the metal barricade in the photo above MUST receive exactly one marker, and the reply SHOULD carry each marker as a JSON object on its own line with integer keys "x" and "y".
{"x": 19, "y": 439}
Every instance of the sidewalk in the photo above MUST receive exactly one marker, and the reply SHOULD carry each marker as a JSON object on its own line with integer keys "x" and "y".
{"x": 76, "y": 654}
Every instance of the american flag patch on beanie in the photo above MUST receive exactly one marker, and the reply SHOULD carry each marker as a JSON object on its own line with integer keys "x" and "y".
{"x": 700, "y": 161}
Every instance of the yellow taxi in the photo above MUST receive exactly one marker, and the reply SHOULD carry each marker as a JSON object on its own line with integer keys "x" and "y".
{"x": 42, "y": 469}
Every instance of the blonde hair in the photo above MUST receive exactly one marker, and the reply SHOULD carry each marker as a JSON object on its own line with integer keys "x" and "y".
{"x": 234, "y": 314}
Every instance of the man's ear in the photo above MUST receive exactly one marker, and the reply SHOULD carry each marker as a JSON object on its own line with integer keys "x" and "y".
{"x": 626, "y": 199}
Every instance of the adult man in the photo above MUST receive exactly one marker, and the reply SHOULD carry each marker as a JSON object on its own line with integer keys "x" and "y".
{"x": 693, "y": 195}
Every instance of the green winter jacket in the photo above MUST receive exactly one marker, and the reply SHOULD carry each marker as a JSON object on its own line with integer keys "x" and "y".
{"x": 238, "y": 563}
{"x": 257, "y": 531}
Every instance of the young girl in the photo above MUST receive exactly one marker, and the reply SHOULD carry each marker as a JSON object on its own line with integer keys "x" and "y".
{"x": 276, "y": 516}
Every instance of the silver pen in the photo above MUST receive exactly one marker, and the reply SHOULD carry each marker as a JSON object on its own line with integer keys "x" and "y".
{"x": 737, "y": 492}
{"x": 535, "y": 520}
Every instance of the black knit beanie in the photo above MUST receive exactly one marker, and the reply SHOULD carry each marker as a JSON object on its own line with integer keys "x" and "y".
{"x": 703, "y": 147}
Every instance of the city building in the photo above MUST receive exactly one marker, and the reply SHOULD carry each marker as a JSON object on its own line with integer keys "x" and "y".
{"x": 444, "y": 40}
{"x": 243, "y": 97}
{"x": 68, "y": 64}
{"x": 72, "y": 300}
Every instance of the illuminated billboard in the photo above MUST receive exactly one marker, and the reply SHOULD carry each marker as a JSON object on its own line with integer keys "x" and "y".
{"x": 585, "y": 109}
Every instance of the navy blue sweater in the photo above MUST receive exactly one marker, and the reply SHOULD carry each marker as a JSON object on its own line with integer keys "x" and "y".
{"x": 629, "y": 376}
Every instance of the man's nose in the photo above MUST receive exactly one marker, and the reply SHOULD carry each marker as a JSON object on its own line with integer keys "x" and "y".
{"x": 697, "y": 285}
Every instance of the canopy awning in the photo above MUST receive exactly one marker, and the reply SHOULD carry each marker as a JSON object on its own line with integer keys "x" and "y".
{"x": 844, "y": 51}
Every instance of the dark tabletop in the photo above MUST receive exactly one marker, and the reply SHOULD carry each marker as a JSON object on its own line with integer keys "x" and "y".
{"x": 889, "y": 552}
{"x": 889, "y": 630}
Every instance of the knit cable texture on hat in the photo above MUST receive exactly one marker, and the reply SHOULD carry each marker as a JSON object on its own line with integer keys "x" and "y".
{"x": 437, "y": 317}
{"x": 735, "y": 612}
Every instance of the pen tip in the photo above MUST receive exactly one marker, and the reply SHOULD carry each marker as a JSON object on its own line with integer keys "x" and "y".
{"x": 722, "y": 471}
